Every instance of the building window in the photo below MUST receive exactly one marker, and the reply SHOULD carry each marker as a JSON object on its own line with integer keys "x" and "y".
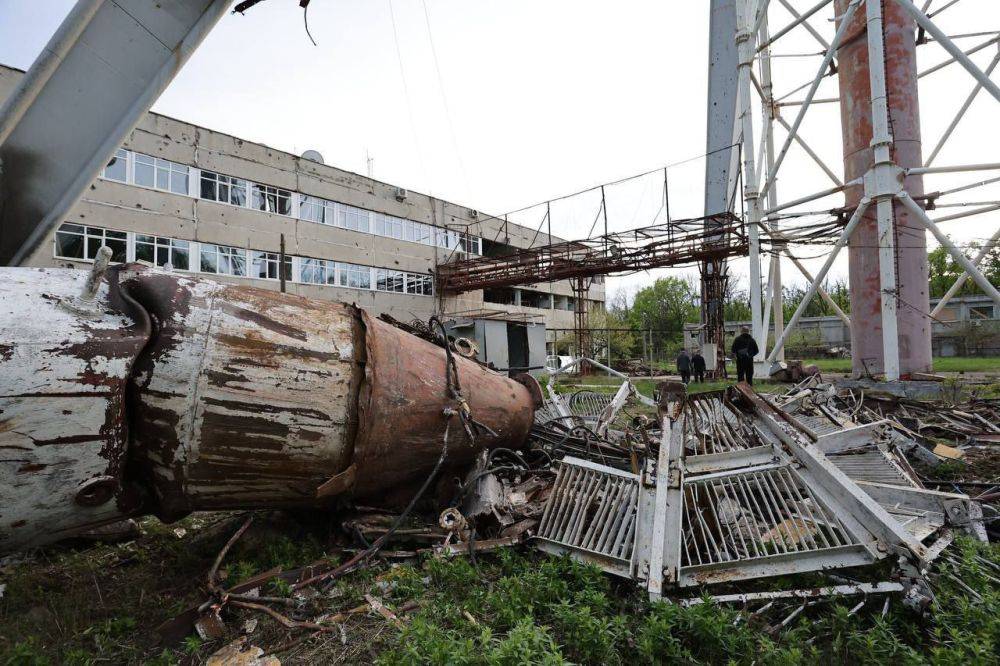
{"x": 357, "y": 277}
{"x": 271, "y": 199}
{"x": 223, "y": 260}
{"x": 417, "y": 233}
{"x": 355, "y": 219}
{"x": 980, "y": 312}
{"x": 160, "y": 174}
{"x": 420, "y": 284}
{"x": 117, "y": 168}
{"x": 265, "y": 265}
{"x": 389, "y": 280}
{"x": 162, "y": 251}
{"x": 74, "y": 241}
{"x": 317, "y": 271}
{"x": 316, "y": 210}
{"x": 226, "y": 189}
{"x": 388, "y": 226}
{"x": 461, "y": 242}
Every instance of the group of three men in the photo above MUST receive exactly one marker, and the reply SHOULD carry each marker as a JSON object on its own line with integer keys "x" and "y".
{"x": 744, "y": 349}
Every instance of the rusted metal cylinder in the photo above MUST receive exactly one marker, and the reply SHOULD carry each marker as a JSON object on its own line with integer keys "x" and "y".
{"x": 64, "y": 375}
{"x": 914, "y": 330}
{"x": 185, "y": 394}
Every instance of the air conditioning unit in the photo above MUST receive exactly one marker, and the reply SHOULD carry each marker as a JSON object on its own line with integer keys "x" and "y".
{"x": 401, "y": 194}
{"x": 474, "y": 214}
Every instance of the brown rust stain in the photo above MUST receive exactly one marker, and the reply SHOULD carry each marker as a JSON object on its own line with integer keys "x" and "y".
{"x": 264, "y": 321}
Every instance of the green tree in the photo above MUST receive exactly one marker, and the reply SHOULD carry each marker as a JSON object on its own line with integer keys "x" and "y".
{"x": 665, "y": 306}
{"x": 944, "y": 270}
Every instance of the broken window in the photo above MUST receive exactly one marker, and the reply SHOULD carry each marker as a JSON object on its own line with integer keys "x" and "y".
{"x": 160, "y": 251}
{"x": 316, "y": 210}
{"x": 420, "y": 284}
{"x": 74, "y": 241}
{"x": 117, "y": 168}
{"x": 225, "y": 189}
{"x": 160, "y": 174}
{"x": 223, "y": 260}
{"x": 356, "y": 277}
{"x": 272, "y": 199}
{"x": 316, "y": 271}
{"x": 389, "y": 280}
{"x": 265, "y": 265}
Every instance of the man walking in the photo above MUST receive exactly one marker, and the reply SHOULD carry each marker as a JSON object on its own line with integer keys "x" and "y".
{"x": 684, "y": 366}
{"x": 698, "y": 366}
{"x": 744, "y": 349}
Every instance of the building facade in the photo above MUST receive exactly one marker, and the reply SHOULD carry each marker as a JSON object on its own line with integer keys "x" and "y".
{"x": 208, "y": 203}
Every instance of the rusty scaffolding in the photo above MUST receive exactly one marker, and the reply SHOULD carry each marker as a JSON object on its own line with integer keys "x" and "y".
{"x": 674, "y": 243}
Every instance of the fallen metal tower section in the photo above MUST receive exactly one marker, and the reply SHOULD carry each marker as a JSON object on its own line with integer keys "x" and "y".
{"x": 743, "y": 488}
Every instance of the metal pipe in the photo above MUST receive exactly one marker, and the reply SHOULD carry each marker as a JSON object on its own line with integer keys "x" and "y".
{"x": 822, "y": 292}
{"x": 746, "y": 38}
{"x": 964, "y": 277}
{"x": 807, "y": 298}
{"x": 824, "y": 66}
{"x": 961, "y": 168}
{"x": 45, "y": 64}
{"x": 959, "y": 256}
{"x": 961, "y": 112}
{"x": 950, "y": 47}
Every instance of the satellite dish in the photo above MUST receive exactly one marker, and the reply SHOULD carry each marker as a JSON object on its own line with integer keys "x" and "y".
{"x": 313, "y": 155}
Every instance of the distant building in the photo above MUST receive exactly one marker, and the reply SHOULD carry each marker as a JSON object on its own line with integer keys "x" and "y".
{"x": 212, "y": 204}
{"x": 966, "y": 326}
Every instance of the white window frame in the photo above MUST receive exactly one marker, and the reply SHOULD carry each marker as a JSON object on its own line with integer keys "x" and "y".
{"x": 390, "y": 281}
{"x": 220, "y": 251}
{"x": 272, "y": 261}
{"x": 328, "y": 268}
{"x": 158, "y": 164}
{"x": 231, "y": 182}
{"x": 166, "y": 242}
{"x": 414, "y": 279}
{"x": 346, "y": 271}
{"x": 266, "y": 191}
{"x": 120, "y": 154}
{"x": 85, "y": 236}
{"x": 345, "y": 213}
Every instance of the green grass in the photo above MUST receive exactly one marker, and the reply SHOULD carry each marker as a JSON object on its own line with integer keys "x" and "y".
{"x": 941, "y": 364}
{"x": 518, "y": 607}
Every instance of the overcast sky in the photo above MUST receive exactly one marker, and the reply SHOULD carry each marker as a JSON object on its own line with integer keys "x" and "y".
{"x": 526, "y": 100}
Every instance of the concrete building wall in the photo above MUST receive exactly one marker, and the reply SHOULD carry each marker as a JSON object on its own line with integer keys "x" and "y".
{"x": 135, "y": 209}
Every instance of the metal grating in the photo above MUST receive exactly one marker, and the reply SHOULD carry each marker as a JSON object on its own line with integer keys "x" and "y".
{"x": 592, "y": 511}
{"x": 737, "y": 517}
{"x": 589, "y": 404}
{"x": 711, "y": 426}
{"x": 875, "y": 466}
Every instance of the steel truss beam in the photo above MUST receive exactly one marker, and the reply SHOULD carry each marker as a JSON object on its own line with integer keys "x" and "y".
{"x": 677, "y": 243}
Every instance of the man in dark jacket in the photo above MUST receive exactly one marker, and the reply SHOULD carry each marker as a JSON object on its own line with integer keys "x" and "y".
{"x": 684, "y": 366}
{"x": 698, "y": 366}
{"x": 744, "y": 349}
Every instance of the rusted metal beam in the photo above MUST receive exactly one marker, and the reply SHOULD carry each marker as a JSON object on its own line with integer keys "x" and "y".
{"x": 677, "y": 243}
